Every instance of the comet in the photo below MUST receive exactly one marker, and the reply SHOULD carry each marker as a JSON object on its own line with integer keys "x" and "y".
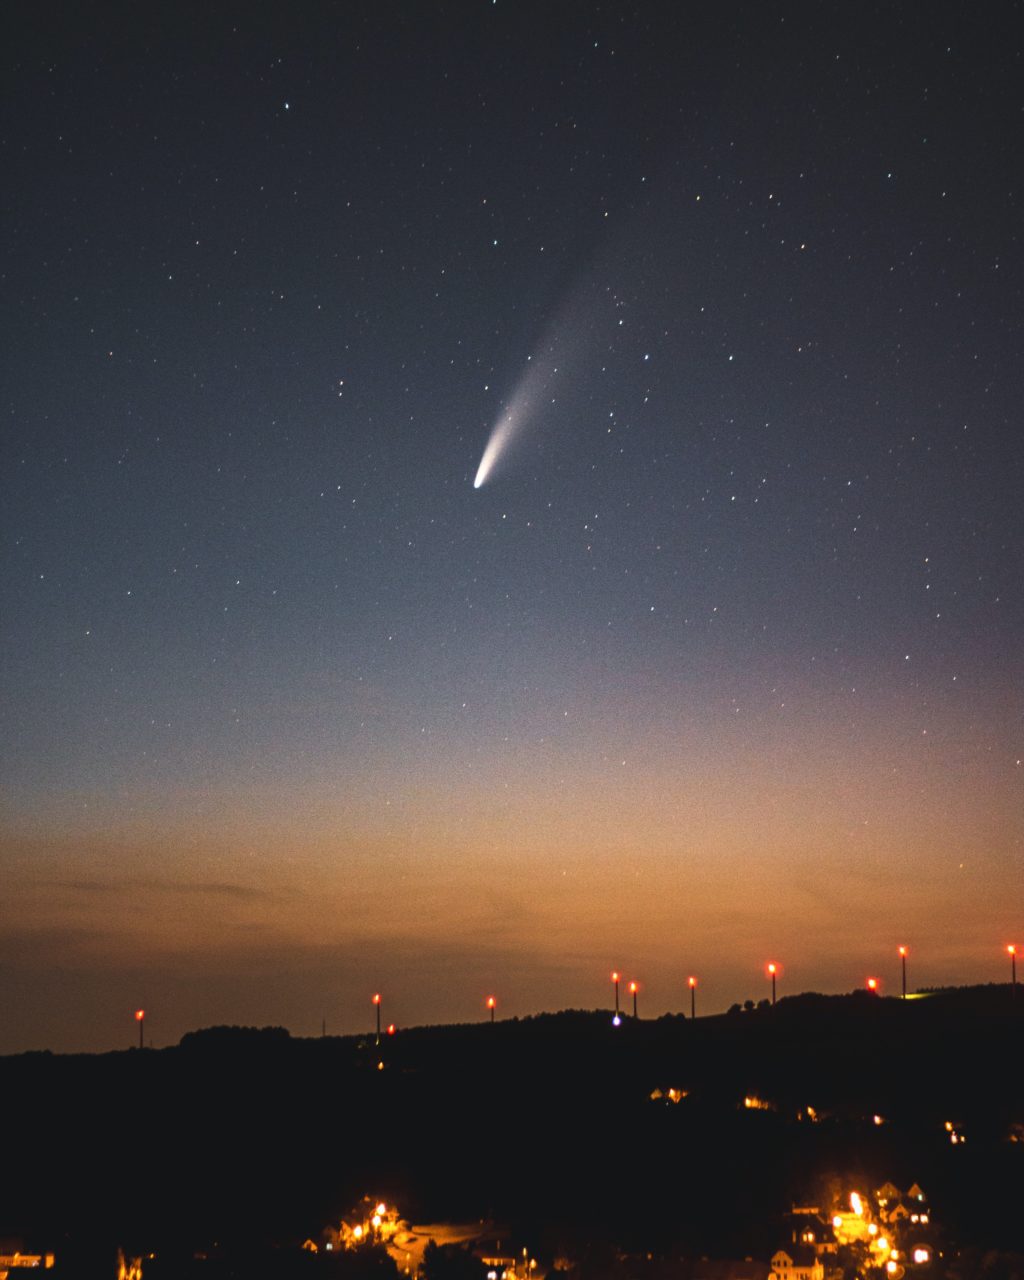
{"x": 502, "y": 432}
{"x": 535, "y": 384}
{"x": 584, "y": 321}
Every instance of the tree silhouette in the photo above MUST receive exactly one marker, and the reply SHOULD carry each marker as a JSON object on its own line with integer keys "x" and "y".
{"x": 450, "y": 1262}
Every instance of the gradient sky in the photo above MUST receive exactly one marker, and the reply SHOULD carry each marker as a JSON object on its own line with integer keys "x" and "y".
{"x": 724, "y": 663}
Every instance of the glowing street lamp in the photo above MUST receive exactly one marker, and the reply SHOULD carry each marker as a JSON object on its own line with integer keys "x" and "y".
{"x": 140, "y": 1018}
{"x": 693, "y": 998}
{"x": 634, "y": 987}
{"x": 491, "y": 1004}
{"x": 773, "y": 969}
{"x": 615, "y": 980}
{"x": 1011, "y": 951}
{"x": 903, "y": 965}
{"x": 376, "y": 1005}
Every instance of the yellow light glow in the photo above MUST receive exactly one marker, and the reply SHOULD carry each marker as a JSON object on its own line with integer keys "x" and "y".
{"x": 856, "y": 1203}
{"x": 357, "y": 1231}
{"x": 921, "y": 1255}
{"x": 382, "y": 1209}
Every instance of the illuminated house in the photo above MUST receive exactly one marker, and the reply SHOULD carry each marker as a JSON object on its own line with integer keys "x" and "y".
{"x": 902, "y": 1207}
{"x": 798, "y": 1262}
{"x": 810, "y": 1227}
{"x": 13, "y": 1261}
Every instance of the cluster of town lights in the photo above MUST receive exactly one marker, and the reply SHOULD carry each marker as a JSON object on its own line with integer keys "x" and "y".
{"x": 857, "y": 1224}
{"x": 359, "y": 1231}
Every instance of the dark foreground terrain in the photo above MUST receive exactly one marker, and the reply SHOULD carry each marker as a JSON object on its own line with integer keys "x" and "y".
{"x": 249, "y": 1137}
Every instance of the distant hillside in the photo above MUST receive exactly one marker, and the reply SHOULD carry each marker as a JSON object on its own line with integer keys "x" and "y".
{"x": 548, "y": 1122}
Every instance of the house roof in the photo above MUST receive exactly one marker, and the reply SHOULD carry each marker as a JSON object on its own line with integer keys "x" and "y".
{"x": 800, "y": 1255}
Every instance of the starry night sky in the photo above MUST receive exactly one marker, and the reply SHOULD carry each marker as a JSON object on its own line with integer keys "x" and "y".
{"x": 723, "y": 664}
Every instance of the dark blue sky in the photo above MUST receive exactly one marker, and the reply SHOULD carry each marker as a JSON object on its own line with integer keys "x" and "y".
{"x": 723, "y": 661}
